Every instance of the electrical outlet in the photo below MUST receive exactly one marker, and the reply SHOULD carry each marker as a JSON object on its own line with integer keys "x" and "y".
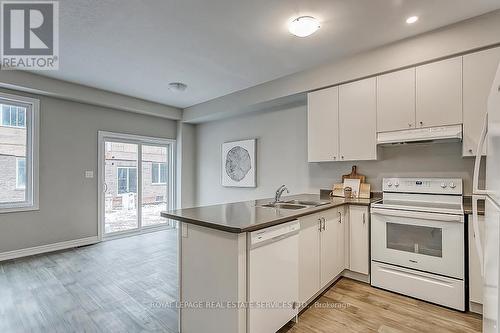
{"x": 89, "y": 174}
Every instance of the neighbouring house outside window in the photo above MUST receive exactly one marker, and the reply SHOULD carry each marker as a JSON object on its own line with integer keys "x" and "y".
{"x": 127, "y": 180}
{"x": 159, "y": 173}
{"x": 21, "y": 173}
{"x": 12, "y": 116}
{"x": 19, "y": 141}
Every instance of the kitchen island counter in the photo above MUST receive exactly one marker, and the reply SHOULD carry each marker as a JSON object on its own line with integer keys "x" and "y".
{"x": 247, "y": 216}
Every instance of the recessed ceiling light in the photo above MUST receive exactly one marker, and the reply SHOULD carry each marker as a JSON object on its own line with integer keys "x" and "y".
{"x": 412, "y": 19}
{"x": 303, "y": 26}
{"x": 177, "y": 86}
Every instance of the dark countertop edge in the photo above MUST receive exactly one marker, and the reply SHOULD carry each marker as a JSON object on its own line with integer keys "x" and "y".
{"x": 277, "y": 221}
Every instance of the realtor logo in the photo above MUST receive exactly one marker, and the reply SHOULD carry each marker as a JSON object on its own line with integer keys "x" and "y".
{"x": 30, "y": 35}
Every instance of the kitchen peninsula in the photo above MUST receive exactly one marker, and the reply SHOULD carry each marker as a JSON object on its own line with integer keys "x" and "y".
{"x": 217, "y": 266}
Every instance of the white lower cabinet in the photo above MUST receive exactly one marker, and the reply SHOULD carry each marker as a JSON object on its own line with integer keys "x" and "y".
{"x": 359, "y": 255}
{"x": 309, "y": 257}
{"x": 329, "y": 247}
{"x": 475, "y": 280}
{"x": 324, "y": 246}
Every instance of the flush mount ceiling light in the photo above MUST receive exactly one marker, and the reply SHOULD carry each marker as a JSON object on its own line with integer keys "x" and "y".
{"x": 303, "y": 26}
{"x": 177, "y": 86}
{"x": 412, "y": 19}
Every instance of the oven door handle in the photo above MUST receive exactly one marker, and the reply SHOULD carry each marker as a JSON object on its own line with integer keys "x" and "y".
{"x": 419, "y": 215}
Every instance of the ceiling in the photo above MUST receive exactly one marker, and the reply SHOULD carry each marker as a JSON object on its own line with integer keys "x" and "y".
{"x": 220, "y": 46}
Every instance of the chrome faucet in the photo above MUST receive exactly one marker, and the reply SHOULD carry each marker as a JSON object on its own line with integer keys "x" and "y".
{"x": 279, "y": 193}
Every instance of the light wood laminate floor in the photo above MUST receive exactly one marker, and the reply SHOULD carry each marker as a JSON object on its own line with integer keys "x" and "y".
{"x": 114, "y": 286}
{"x": 351, "y": 306}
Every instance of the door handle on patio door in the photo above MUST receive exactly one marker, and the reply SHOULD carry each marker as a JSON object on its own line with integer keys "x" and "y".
{"x": 105, "y": 187}
{"x": 477, "y": 235}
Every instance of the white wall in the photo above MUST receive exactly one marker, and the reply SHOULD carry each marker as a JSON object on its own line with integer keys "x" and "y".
{"x": 68, "y": 147}
{"x": 186, "y": 165}
{"x": 282, "y": 158}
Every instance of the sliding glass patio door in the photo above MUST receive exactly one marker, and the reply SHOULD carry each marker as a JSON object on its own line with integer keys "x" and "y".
{"x": 137, "y": 182}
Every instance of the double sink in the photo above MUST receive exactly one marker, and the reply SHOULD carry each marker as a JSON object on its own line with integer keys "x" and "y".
{"x": 295, "y": 204}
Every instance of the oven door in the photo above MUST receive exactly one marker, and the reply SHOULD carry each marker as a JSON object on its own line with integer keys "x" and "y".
{"x": 428, "y": 242}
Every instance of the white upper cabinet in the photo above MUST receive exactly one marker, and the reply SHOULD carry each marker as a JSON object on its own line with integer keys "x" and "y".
{"x": 358, "y": 120}
{"x": 322, "y": 125}
{"x": 479, "y": 72}
{"x": 439, "y": 93}
{"x": 396, "y": 101}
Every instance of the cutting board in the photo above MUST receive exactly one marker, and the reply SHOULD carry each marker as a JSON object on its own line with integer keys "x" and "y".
{"x": 354, "y": 175}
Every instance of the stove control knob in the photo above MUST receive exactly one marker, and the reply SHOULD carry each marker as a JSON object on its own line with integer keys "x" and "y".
{"x": 396, "y": 184}
{"x": 443, "y": 185}
{"x": 389, "y": 183}
{"x": 452, "y": 185}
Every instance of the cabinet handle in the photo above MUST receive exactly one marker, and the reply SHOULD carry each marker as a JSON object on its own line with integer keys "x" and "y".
{"x": 324, "y": 223}
{"x": 470, "y": 151}
{"x": 364, "y": 218}
{"x": 421, "y": 123}
{"x": 340, "y": 217}
{"x": 342, "y": 157}
{"x": 320, "y": 225}
{"x": 409, "y": 125}
{"x": 334, "y": 157}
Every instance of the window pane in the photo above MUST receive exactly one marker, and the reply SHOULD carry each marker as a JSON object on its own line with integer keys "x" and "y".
{"x": 154, "y": 173}
{"x": 120, "y": 170}
{"x": 122, "y": 180}
{"x": 13, "y": 152}
{"x": 163, "y": 173}
{"x": 13, "y": 116}
{"x": 154, "y": 189}
{"x": 6, "y": 115}
{"x": 21, "y": 118}
{"x": 21, "y": 173}
{"x": 132, "y": 180}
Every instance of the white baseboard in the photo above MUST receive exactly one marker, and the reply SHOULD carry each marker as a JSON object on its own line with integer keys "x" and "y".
{"x": 356, "y": 276}
{"x": 476, "y": 307}
{"x": 47, "y": 248}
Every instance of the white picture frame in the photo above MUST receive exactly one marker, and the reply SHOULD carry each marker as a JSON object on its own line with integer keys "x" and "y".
{"x": 238, "y": 167}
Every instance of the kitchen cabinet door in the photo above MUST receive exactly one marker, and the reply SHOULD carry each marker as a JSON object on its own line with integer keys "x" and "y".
{"x": 359, "y": 256}
{"x": 309, "y": 257}
{"x": 322, "y": 125}
{"x": 358, "y": 120}
{"x": 329, "y": 246}
{"x": 439, "y": 93}
{"x": 475, "y": 279}
{"x": 479, "y": 72}
{"x": 396, "y": 101}
{"x": 340, "y": 262}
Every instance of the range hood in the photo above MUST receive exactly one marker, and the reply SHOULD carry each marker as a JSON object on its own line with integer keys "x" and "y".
{"x": 448, "y": 133}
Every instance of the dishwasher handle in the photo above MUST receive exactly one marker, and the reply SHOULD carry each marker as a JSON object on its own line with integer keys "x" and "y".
{"x": 274, "y": 234}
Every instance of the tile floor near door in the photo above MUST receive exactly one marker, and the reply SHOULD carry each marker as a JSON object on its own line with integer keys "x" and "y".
{"x": 116, "y": 286}
{"x": 351, "y": 306}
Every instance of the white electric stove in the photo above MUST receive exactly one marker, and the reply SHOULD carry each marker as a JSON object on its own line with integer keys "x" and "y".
{"x": 417, "y": 240}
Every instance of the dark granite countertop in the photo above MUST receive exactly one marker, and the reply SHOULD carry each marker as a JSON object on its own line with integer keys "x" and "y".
{"x": 468, "y": 206}
{"x": 247, "y": 216}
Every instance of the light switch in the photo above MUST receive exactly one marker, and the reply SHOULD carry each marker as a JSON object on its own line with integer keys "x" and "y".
{"x": 89, "y": 174}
